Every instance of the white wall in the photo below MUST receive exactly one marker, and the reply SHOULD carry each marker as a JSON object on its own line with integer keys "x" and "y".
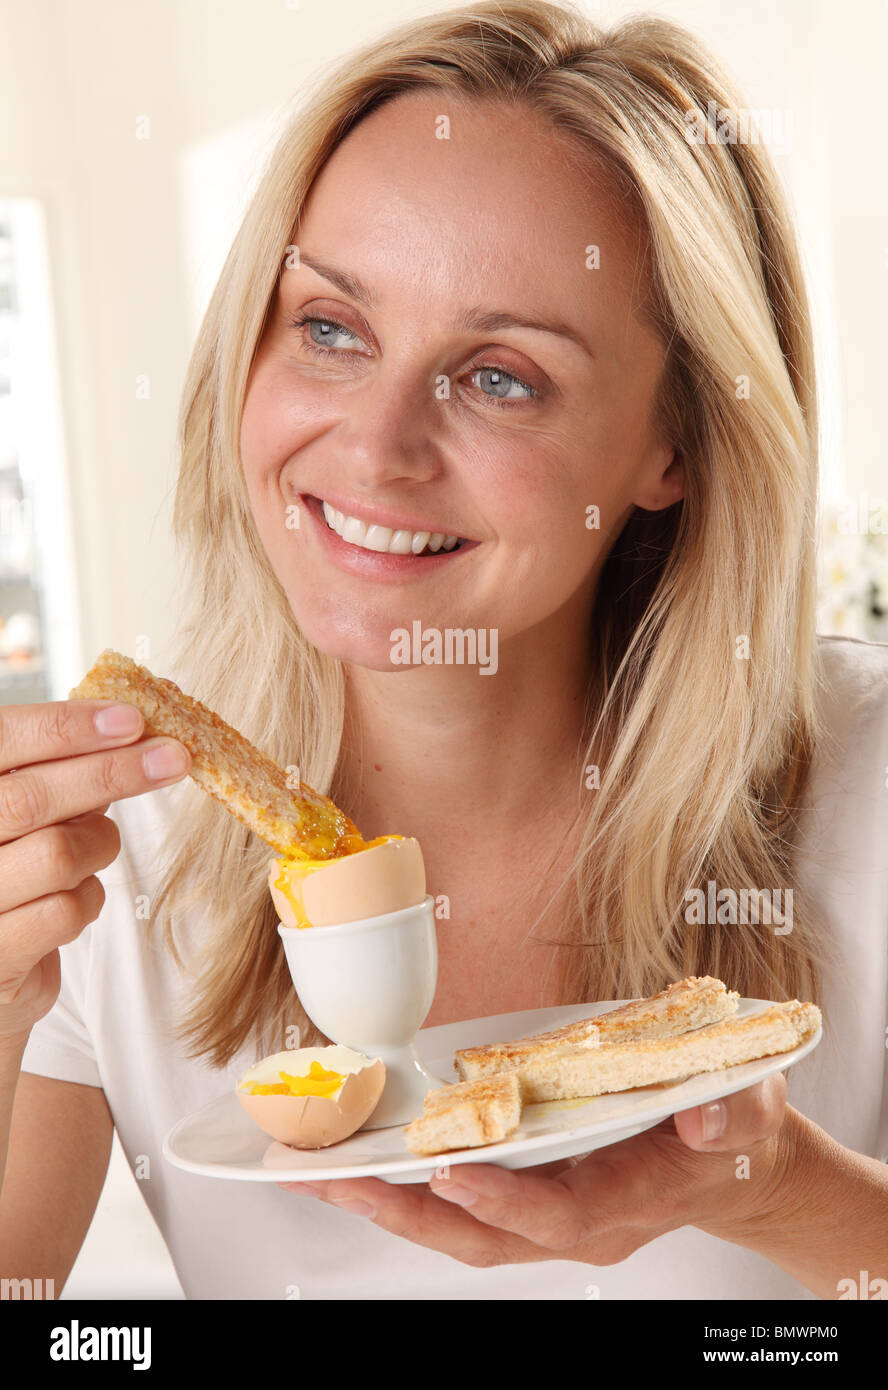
{"x": 138, "y": 229}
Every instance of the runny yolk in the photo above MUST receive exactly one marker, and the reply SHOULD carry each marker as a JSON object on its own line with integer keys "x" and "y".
{"x": 317, "y": 1082}
{"x": 295, "y": 870}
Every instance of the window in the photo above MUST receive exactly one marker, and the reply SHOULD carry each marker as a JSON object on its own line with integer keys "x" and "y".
{"x": 39, "y": 631}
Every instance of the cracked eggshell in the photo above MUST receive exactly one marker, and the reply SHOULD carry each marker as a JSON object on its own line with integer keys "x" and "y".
{"x": 314, "y": 1122}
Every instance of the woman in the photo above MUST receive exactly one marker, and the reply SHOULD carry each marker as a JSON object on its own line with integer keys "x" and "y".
{"x": 501, "y": 297}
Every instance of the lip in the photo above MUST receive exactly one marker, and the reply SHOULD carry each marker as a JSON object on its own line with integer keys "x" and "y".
{"x": 378, "y": 516}
{"x": 374, "y": 564}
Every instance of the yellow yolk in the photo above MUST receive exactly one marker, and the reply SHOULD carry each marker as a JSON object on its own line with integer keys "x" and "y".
{"x": 295, "y": 870}
{"x": 317, "y": 835}
{"x": 318, "y": 1082}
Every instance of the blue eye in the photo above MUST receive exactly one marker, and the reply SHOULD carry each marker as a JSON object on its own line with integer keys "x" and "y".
{"x": 491, "y": 370}
{"x": 501, "y": 375}
{"x": 327, "y": 324}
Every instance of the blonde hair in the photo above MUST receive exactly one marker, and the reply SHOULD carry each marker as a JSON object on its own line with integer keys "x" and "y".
{"x": 706, "y": 755}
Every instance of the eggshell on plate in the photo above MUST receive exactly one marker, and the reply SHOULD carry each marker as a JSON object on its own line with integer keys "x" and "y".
{"x": 314, "y": 1122}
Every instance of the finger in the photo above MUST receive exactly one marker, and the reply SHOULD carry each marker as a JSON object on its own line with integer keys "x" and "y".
{"x": 413, "y": 1212}
{"x": 56, "y": 858}
{"x": 735, "y": 1121}
{"x": 40, "y": 926}
{"x": 604, "y": 1200}
{"x": 585, "y": 1200}
{"x": 49, "y": 792}
{"x": 60, "y": 729}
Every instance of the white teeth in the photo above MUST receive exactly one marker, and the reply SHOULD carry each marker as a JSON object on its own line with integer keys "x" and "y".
{"x": 382, "y": 538}
{"x": 354, "y": 531}
{"x": 378, "y": 538}
{"x": 400, "y": 543}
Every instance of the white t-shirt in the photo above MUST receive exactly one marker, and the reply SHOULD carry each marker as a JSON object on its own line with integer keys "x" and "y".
{"x": 242, "y": 1240}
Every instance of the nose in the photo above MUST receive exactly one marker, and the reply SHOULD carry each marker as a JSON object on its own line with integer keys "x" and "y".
{"x": 388, "y": 428}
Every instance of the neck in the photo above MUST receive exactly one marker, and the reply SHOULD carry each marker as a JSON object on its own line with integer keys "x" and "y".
{"x": 451, "y": 756}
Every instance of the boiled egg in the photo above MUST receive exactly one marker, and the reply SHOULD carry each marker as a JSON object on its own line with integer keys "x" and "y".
{"x": 311, "y": 1097}
{"x": 383, "y": 876}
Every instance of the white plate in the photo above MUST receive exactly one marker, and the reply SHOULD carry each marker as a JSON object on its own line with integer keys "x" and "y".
{"x": 221, "y": 1141}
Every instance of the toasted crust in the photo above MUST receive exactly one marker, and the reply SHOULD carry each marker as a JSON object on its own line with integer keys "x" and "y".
{"x": 690, "y": 1003}
{"x": 252, "y": 787}
{"x": 571, "y": 1063}
{"x": 574, "y": 1071}
{"x": 466, "y": 1115}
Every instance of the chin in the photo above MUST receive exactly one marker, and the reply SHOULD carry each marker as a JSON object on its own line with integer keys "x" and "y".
{"x": 344, "y": 640}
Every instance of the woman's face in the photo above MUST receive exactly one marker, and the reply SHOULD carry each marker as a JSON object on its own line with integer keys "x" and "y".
{"x": 416, "y": 405}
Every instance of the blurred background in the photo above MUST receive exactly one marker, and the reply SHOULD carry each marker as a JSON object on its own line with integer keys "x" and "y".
{"x": 131, "y": 137}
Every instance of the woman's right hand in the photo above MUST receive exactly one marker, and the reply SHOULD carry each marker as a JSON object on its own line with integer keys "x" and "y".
{"x": 59, "y": 773}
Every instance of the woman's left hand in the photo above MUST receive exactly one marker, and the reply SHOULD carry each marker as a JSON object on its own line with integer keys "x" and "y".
{"x": 600, "y": 1207}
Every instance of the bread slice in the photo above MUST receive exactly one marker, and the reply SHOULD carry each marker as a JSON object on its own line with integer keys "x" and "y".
{"x": 294, "y": 821}
{"x": 466, "y": 1115}
{"x": 482, "y": 1111}
{"x": 575, "y": 1070}
{"x": 689, "y": 1003}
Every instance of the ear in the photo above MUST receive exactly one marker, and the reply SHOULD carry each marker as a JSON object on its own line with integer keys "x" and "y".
{"x": 664, "y": 480}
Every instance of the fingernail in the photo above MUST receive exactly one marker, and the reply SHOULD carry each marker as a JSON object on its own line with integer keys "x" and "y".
{"x": 305, "y": 1187}
{"x": 464, "y": 1196}
{"x": 714, "y": 1120}
{"x": 114, "y": 721}
{"x": 352, "y": 1204}
{"x": 166, "y": 760}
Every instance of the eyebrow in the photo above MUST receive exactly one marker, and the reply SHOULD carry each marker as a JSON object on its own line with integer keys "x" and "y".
{"x": 476, "y": 319}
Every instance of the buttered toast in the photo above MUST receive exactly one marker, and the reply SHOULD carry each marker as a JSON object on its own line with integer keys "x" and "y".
{"x": 294, "y": 821}
{"x": 466, "y": 1115}
{"x": 683, "y": 1031}
{"x": 569, "y": 1072}
{"x": 690, "y": 1003}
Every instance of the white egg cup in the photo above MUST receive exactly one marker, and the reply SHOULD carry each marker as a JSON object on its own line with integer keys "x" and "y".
{"x": 368, "y": 985}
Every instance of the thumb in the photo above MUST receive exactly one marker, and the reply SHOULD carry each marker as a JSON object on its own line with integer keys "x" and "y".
{"x": 735, "y": 1121}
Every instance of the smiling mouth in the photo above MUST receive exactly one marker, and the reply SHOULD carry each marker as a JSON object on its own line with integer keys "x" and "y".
{"x": 385, "y": 540}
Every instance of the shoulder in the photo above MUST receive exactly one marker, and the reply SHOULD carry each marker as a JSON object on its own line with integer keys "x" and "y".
{"x": 853, "y": 665}
{"x": 852, "y": 744}
{"x": 852, "y": 679}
